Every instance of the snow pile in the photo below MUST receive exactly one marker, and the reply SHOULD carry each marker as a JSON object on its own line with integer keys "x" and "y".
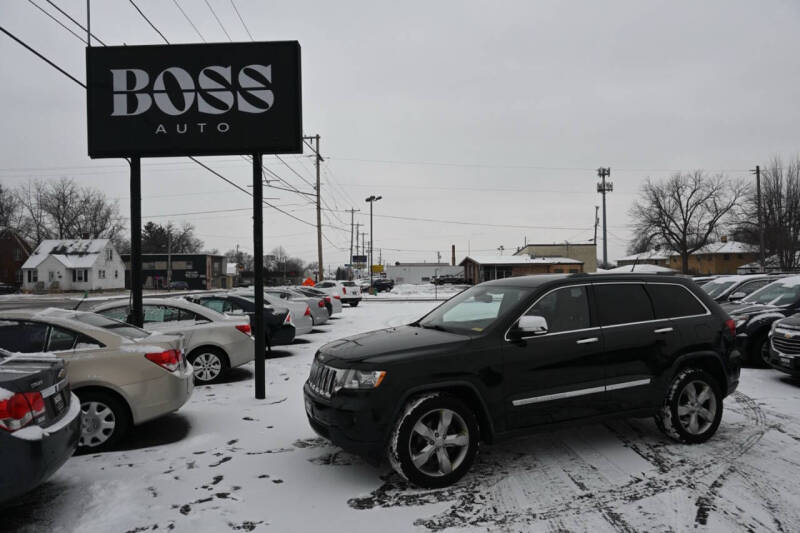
{"x": 426, "y": 291}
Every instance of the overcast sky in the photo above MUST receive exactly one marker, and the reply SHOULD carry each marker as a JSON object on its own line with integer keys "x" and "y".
{"x": 484, "y": 112}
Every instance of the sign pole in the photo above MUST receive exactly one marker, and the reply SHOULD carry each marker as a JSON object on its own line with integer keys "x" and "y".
{"x": 258, "y": 266}
{"x": 137, "y": 318}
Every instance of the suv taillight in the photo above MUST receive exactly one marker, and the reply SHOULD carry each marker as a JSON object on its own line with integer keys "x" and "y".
{"x": 344, "y": 290}
{"x": 321, "y": 303}
{"x": 328, "y": 299}
{"x": 244, "y": 328}
{"x": 18, "y": 410}
{"x": 168, "y": 360}
{"x": 731, "y": 326}
{"x": 338, "y": 297}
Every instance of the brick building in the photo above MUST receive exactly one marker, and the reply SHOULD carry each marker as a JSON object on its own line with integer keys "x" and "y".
{"x": 585, "y": 253}
{"x": 717, "y": 258}
{"x": 14, "y": 251}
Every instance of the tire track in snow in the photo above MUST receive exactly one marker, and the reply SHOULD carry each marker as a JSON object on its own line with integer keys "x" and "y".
{"x": 568, "y": 491}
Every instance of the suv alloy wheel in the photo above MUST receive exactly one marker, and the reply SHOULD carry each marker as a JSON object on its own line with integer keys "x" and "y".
{"x": 434, "y": 441}
{"x": 693, "y": 407}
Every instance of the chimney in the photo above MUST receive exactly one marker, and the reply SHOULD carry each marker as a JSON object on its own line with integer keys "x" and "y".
{"x": 453, "y": 254}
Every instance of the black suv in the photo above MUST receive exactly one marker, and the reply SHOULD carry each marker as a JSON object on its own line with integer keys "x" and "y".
{"x": 509, "y": 356}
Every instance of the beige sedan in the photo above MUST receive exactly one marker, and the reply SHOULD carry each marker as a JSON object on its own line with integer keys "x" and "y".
{"x": 122, "y": 375}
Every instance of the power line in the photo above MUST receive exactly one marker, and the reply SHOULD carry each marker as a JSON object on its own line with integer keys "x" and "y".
{"x": 189, "y": 20}
{"x": 40, "y": 8}
{"x": 78, "y": 24}
{"x": 242, "y": 20}
{"x": 148, "y": 21}
{"x": 218, "y": 21}
{"x": 43, "y": 58}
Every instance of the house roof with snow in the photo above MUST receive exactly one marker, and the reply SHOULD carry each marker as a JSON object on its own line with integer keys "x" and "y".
{"x": 519, "y": 260}
{"x": 74, "y": 253}
{"x": 730, "y": 247}
{"x": 650, "y": 255}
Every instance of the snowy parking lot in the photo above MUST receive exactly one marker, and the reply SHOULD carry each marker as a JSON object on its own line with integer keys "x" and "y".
{"x": 228, "y": 462}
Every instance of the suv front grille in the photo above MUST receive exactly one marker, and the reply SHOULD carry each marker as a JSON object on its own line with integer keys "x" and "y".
{"x": 322, "y": 379}
{"x": 786, "y": 345}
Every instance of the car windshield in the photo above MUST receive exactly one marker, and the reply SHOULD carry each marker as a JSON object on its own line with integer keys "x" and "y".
{"x": 120, "y": 328}
{"x": 475, "y": 309}
{"x": 778, "y": 293}
{"x": 717, "y": 287}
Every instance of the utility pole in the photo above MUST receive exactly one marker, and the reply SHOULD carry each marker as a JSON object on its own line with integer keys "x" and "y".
{"x": 757, "y": 172}
{"x": 350, "y": 259}
{"x": 596, "y": 223}
{"x": 318, "y": 159}
{"x": 604, "y": 187}
{"x": 169, "y": 258}
{"x": 371, "y": 201}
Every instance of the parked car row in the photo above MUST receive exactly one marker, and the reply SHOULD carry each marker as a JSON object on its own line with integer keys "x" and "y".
{"x": 86, "y": 378}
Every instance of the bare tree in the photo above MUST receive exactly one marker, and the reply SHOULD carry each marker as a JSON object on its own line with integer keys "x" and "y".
{"x": 98, "y": 218}
{"x": 11, "y": 210}
{"x": 62, "y": 203}
{"x": 780, "y": 199}
{"x": 34, "y": 226}
{"x": 684, "y": 211}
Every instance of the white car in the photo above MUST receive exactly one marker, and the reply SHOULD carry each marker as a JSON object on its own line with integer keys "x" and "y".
{"x": 347, "y": 291}
{"x": 213, "y": 342}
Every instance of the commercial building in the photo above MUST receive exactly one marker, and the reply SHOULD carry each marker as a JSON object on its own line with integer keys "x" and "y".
{"x": 650, "y": 257}
{"x": 73, "y": 265}
{"x": 14, "y": 251}
{"x": 586, "y": 254}
{"x": 199, "y": 271}
{"x": 478, "y": 269}
{"x": 417, "y": 273}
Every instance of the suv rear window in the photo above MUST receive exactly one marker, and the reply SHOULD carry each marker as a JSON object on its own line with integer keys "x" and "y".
{"x": 623, "y": 303}
{"x": 672, "y": 301}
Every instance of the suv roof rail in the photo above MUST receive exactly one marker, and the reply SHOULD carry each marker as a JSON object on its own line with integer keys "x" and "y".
{"x": 664, "y": 273}
{"x": 579, "y": 275}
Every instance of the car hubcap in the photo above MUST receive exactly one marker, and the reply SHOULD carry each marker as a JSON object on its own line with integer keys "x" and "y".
{"x": 439, "y": 442}
{"x": 207, "y": 366}
{"x": 697, "y": 407}
{"x": 97, "y": 423}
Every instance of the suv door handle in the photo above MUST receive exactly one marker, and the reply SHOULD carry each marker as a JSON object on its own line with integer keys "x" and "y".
{"x": 663, "y": 330}
{"x": 588, "y": 340}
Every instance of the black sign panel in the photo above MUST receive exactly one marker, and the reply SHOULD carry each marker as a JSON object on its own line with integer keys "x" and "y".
{"x": 359, "y": 259}
{"x": 194, "y": 99}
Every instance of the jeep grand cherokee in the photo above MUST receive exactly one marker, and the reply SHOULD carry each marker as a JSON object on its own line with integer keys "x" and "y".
{"x": 516, "y": 355}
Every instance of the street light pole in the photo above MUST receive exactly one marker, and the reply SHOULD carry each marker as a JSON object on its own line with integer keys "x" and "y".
{"x": 371, "y": 200}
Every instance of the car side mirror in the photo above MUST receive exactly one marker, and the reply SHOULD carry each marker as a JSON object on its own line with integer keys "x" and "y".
{"x": 736, "y": 296}
{"x": 532, "y": 325}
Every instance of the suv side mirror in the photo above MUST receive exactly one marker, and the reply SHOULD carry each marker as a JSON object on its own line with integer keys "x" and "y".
{"x": 532, "y": 324}
{"x": 736, "y": 296}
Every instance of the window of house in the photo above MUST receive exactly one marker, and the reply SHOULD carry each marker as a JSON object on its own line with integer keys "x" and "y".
{"x": 17, "y": 254}
{"x": 116, "y": 274}
{"x": 77, "y": 275}
{"x": 18, "y": 276}
{"x": 33, "y": 276}
{"x": 101, "y": 274}
{"x": 109, "y": 254}
{"x": 637, "y": 307}
{"x": 726, "y": 256}
{"x": 51, "y": 275}
{"x": 558, "y": 270}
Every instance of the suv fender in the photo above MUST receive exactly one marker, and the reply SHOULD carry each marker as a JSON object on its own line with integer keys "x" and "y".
{"x": 464, "y": 390}
{"x": 707, "y": 360}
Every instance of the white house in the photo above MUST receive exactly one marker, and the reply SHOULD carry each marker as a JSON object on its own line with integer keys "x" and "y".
{"x": 74, "y": 265}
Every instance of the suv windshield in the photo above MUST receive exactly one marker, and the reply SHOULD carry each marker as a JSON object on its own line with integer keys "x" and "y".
{"x": 475, "y": 309}
{"x": 779, "y": 293}
{"x": 120, "y": 328}
{"x": 715, "y": 288}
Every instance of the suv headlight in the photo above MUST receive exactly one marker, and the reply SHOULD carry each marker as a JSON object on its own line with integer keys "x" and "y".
{"x": 361, "y": 379}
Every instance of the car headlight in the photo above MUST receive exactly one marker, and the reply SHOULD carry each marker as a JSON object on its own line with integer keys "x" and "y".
{"x": 361, "y": 379}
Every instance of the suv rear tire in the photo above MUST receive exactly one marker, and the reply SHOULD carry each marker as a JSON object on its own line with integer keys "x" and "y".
{"x": 692, "y": 409}
{"x": 434, "y": 441}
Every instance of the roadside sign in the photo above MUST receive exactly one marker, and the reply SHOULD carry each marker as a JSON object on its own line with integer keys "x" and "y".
{"x": 377, "y": 269}
{"x": 194, "y": 99}
{"x": 359, "y": 259}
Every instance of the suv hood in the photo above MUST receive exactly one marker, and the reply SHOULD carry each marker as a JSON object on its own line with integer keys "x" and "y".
{"x": 792, "y": 322}
{"x": 744, "y": 310}
{"x": 390, "y": 343}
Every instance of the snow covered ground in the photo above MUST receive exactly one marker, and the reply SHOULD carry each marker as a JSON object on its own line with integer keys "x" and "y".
{"x": 226, "y": 462}
{"x": 425, "y": 291}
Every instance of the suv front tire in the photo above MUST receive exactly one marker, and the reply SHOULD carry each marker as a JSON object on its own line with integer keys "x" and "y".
{"x": 692, "y": 409}
{"x": 435, "y": 440}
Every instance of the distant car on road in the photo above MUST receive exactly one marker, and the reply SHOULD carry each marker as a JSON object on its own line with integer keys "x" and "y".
{"x": 516, "y": 355}
{"x": 123, "y": 375}
{"x": 448, "y": 279}
{"x": 383, "y": 284}
{"x": 40, "y": 421}
{"x": 6, "y": 288}
{"x": 334, "y": 305}
{"x": 347, "y": 291}
{"x": 213, "y": 342}
{"x": 178, "y": 286}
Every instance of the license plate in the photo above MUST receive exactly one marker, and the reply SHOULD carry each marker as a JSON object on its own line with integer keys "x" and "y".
{"x": 786, "y": 361}
{"x": 58, "y": 401}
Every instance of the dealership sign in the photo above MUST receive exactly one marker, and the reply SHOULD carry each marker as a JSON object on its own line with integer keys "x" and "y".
{"x": 194, "y": 99}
